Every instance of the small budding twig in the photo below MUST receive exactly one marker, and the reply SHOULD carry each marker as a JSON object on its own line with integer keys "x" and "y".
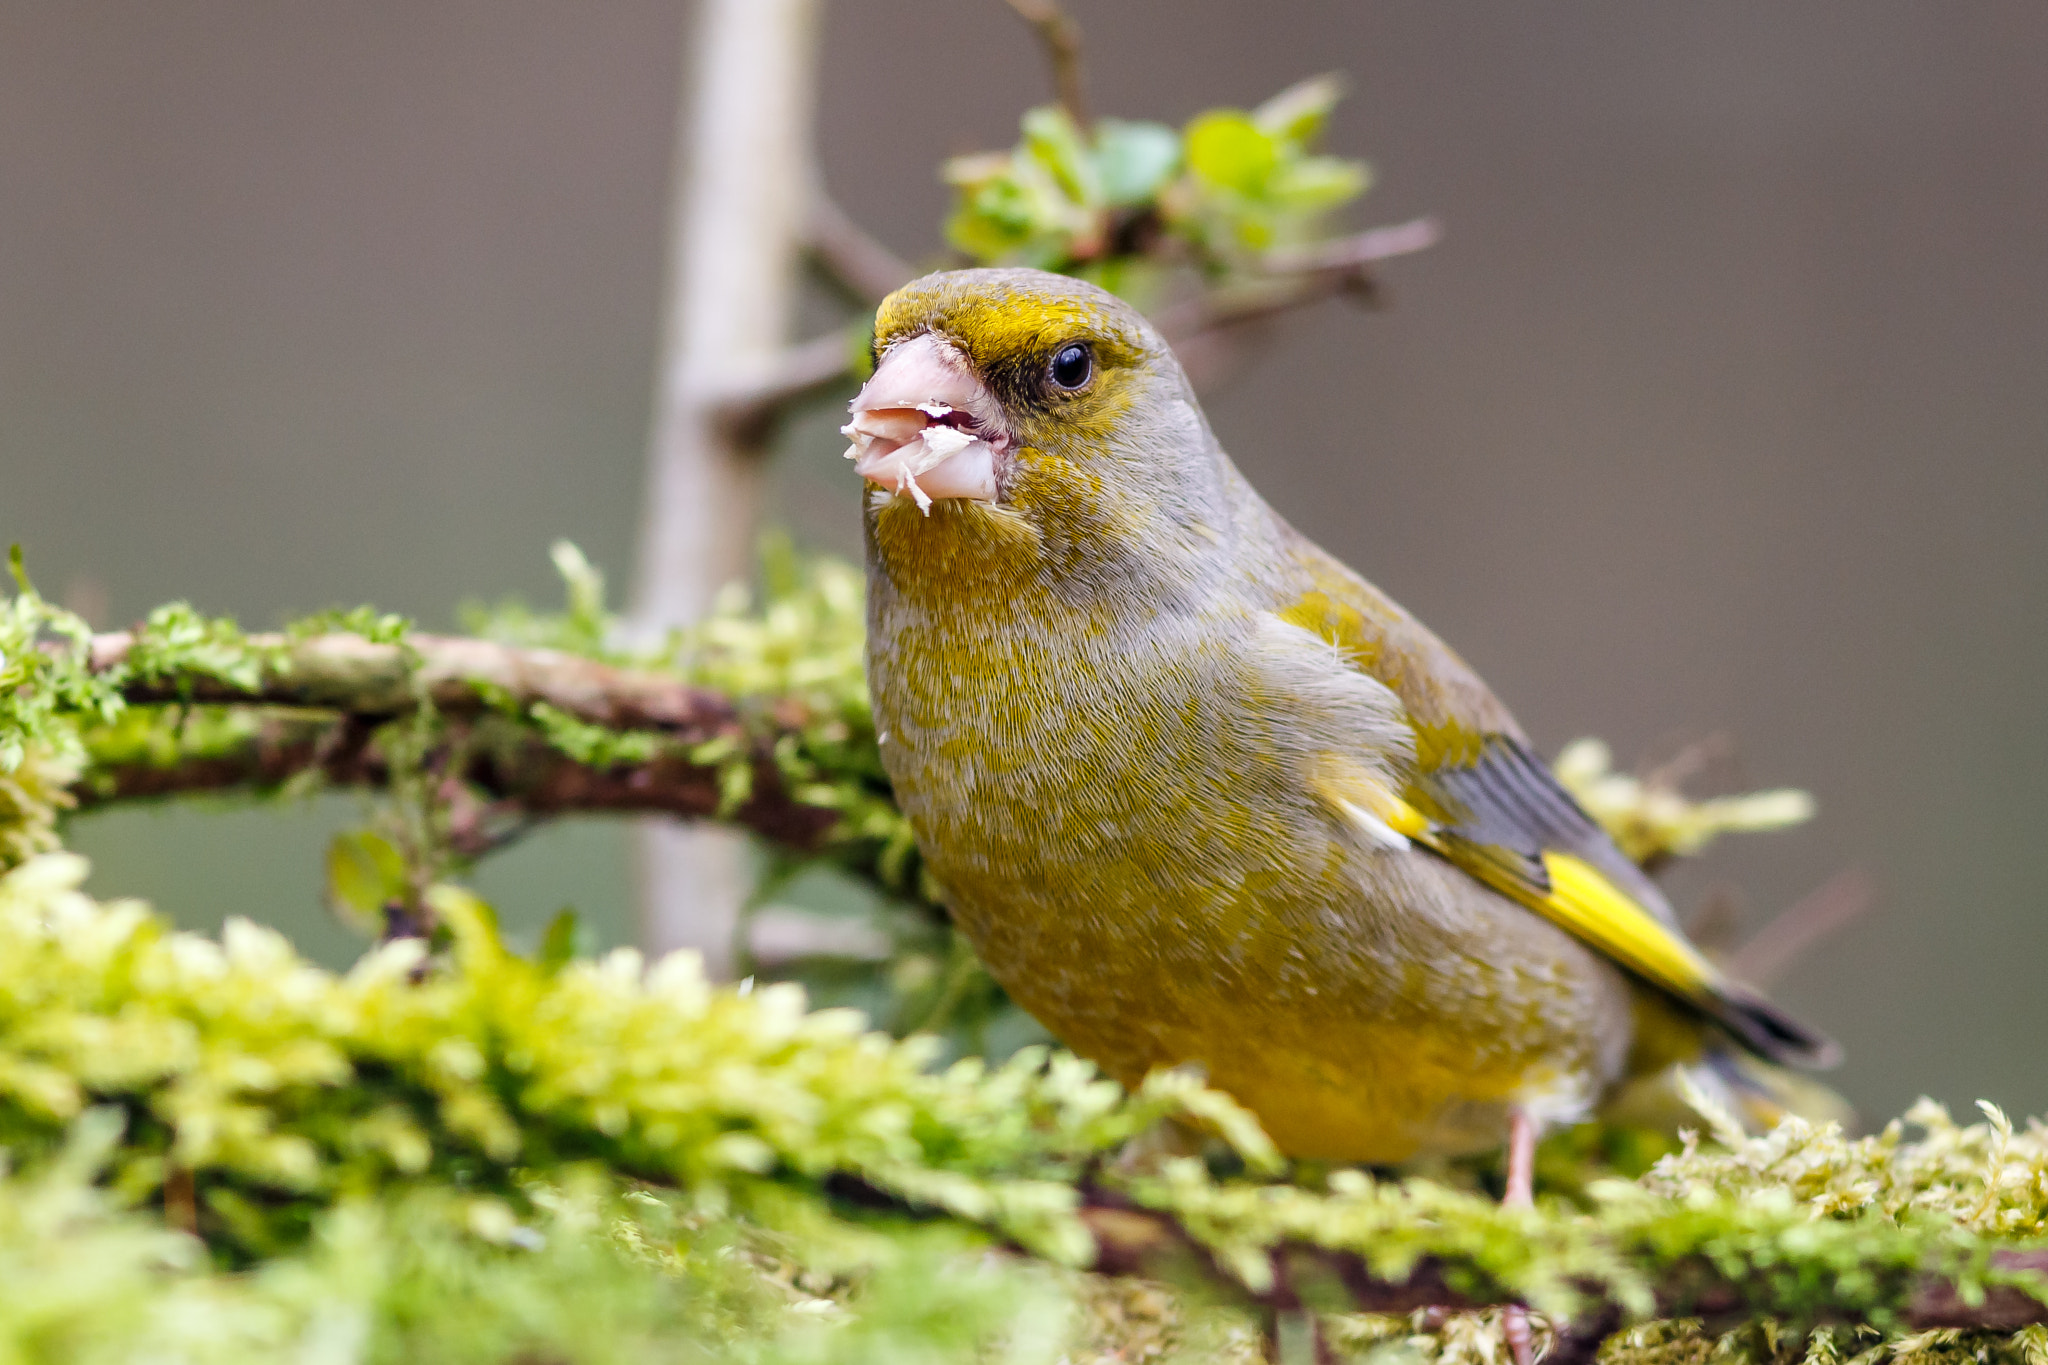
{"x": 1061, "y": 38}
{"x": 1358, "y": 249}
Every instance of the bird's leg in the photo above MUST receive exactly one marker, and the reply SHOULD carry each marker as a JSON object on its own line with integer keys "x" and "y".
{"x": 1520, "y": 1194}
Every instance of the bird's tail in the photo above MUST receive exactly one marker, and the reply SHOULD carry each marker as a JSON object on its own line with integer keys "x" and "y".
{"x": 1768, "y": 1031}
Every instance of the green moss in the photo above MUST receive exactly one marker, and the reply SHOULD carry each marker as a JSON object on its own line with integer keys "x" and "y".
{"x": 291, "y": 1114}
{"x": 32, "y": 798}
{"x": 46, "y": 681}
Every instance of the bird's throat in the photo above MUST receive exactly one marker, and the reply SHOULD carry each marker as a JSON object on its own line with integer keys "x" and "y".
{"x": 965, "y": 553}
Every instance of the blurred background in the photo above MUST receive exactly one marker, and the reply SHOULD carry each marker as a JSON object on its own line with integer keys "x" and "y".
{"x": 1720, "y": 409}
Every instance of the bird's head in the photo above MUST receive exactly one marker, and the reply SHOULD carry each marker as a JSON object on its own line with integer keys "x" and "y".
{"x": 1015, "y": 407}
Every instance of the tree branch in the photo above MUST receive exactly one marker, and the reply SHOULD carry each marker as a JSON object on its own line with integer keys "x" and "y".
{"x": 1294, "y": 277}
{"x": 1357, "y": 250}
{"x": 852, "y": 255}
{"x": 460, "y": 676}
{"x": 1207, "y": 331}
{"x": 743, "y": 165}
{"x": 1061, "y": 38}
{"x": 750, "y": 399}
{"x": 324, "y": 696}
{"x": 525, "y": 774}
{"x": 1135, "y": 1241}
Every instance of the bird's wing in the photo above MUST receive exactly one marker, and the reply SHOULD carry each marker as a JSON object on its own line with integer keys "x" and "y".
{"x": 1480, "y": 798}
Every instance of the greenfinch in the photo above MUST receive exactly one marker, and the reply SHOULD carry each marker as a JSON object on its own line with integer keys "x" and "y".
{"x": 1201, "y": 795}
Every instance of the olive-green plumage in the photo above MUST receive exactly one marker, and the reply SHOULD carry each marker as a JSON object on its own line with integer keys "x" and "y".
{"x": 1201, "y": 795}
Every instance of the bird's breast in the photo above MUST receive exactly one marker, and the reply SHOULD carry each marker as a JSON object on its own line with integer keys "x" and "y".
{"x": 1119, "y": 810}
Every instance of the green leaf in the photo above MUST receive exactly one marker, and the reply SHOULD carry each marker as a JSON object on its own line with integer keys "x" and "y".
{"x": 1134, "y": 160}
{"x": 1297, "y": 114}
{"x": 1227, "y": 150}
{"x": 1052, "y": 140}
{"x": 364, "y": 873}
{"x": 991, "y": 219}
{"x": 1315, "y": 184}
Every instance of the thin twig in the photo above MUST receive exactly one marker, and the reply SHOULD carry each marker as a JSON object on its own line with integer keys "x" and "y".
{"x": 1295, "y": 277}
{"x": 1061, "y": 38}
{"x": 1690, "y": 760}
{"x": 1821, "y": 913}
{"x": 851, "y": 254}
{"x": 1360, "y": 248}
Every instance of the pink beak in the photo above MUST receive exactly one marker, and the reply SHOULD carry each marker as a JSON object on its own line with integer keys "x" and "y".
{"x": 925, "y": 426}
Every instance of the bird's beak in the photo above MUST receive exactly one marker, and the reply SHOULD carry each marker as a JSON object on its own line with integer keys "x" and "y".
{"x": 925, "y": 426}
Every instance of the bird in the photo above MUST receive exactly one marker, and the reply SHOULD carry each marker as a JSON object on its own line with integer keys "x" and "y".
{"x": 1201, "y": 796}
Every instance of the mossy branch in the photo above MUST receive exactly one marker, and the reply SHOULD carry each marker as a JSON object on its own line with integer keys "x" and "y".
{"x": 1130, "y": 1240}
{"x": 674, "y": 746}
{"x": 458, "y": 676}
{"x": 525, "y": 774}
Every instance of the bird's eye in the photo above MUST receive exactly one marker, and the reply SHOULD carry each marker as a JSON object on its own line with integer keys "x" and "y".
{"x": 1071, "y": 366}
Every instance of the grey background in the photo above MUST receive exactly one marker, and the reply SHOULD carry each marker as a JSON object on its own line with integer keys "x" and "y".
{"x": 1720, "y": 407}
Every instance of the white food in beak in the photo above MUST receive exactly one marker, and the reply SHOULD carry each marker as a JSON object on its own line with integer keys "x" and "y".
{"x": 925, "y": 426}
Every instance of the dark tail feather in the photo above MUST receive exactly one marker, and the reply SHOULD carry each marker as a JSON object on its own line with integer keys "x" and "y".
{"x": 1770, "y": 1032}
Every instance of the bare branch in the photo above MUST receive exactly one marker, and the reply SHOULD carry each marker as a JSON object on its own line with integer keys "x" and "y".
{"x": 1061, "y": 38}
{"x": 1358, "y": 249}
{"x": 1821, "y": 913}
{"x": 743, "y": 164}
{"x": 1298, "y": 276}
{"x": 851, "y": 253}
{"x": 749, "y": 400}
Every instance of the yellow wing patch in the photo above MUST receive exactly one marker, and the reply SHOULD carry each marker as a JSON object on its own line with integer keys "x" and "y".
{"x": 1579, "y": 898}
{"x": 1586, "y": 905}
{"x": 1584, "y": 902}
